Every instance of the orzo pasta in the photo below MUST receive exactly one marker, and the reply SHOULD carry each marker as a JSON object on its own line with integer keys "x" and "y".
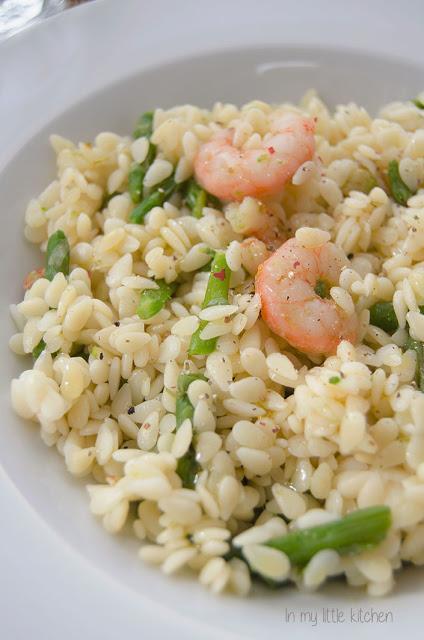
{"x": 228, "y": 335}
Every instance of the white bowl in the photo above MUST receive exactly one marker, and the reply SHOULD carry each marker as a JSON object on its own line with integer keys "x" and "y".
{"x": 235, "y": 69}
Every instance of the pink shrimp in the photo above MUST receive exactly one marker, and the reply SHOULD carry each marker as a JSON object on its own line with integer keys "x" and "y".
{"x": 231, "y": 173}
{"x": 293, "y": 285}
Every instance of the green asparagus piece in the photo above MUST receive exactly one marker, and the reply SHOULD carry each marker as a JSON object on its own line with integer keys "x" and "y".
{"x": 153, "y": 300}
{"x": 198, "y": 346}
{"x": 359, "y": 530}
{"x": 196, "y": 198}
{"x": 218, "y": 283}
{"x": 187, "y": 467}
{"x": 155, "y": 199}
{"x": 216, "y": 293}
{"x": 135, "y": 183}
{"x": 214, "y": 202}
{"x": 106, "y": 199}
{"x": 382, "y": 314}
{"x": 137, "y": 173}
{"x": 400, "y": 191}
{"x": 144, "y": 125}
{"x": 418, "y": 103}
{"x": 57, "y": 255}
{"x": 38, "y": 349}
{"x": 418, "y": 347}
{"x": 208, "y": 265}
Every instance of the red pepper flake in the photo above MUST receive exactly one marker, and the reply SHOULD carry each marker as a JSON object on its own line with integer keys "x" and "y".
{"x": 296, "y": 264}
{"x": 220, "y": 275}
{"x": 271, "y": 150}
{"x": 146, "y": 425}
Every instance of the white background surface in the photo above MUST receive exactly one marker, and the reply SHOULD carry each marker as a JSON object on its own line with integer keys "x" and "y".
{"x": 48, "y": 590}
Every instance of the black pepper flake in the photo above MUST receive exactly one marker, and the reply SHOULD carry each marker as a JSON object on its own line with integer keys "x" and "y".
{"x": 102, "y": 355}
{"x": 350, "y": 255}
{"x": 131, "y": 410}
{"x": 117, "y": 323}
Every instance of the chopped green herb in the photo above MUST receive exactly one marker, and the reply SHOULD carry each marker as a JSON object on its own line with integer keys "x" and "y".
{"x": 144, "y": 125}
{"x": 322, "y": 288}
{"x": 184, "y": 408}
{"x": 334, "y": 380}
{"x": 95, "y": 351}
{"x": 418, "y": 103}
{"x": 400, "y": 191}
{"x": 185, "y": 380}
{"x": 188, "y": 469}
{"x": 153, "y": 300}
{"x": 57, "y": 255}
{"x": 39, "y": 348}
{"x": 359, "y": 530}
